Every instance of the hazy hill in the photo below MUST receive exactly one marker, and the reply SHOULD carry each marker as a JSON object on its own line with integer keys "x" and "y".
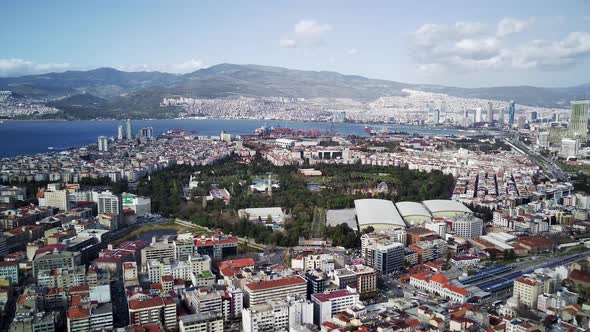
{"x": 107, "y": 91}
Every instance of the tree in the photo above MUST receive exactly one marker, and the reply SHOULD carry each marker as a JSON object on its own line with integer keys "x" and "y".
{"x": 368, "y": 229}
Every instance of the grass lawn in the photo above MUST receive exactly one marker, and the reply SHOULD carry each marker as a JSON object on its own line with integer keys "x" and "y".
{"x": 573, "y": 169}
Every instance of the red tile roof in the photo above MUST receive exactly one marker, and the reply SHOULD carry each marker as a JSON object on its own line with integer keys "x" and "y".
{"x": 439, "y": 278}
{"x": 239, "y": 263}
{"x": 78, "y": 313}
{"x": 145, "y": 304}
{"x": 578, "y": 275}
{"x": 457, "y": 290}
{"x": 82, "y": 288}
{"x": 213, "y": 241}
{"x": 526, "y": 281}
{"x": 4, "y": 263}
{"x": 277, "y": 283}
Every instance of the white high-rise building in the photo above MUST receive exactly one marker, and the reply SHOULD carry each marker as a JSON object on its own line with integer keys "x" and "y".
{"x": 300, "y": 313}
{"x": 328, "y": 304}
{"x": 109, "y": 203}
{"x": 56, "y": 198}
{"x": 468, "y": 227}
{"x": 570, "y": 147}
{"x": 269, "y": 316}
{"x": 543, "y": 139}
{"x": 443, "y": 112}
{"x": 478, "y": 115}
{"x": 147, "y": 132}
{"x": 120, "y": 135}
{"x": 440, "y": 227}
{"x": 129, "y": 132}
{"x": 103, "y": 143}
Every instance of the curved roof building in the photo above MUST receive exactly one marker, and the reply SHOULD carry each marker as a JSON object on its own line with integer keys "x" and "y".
{"x": 378, "y": 213}
{"x": 446, "y": 208}
{"x": 413, "y": 213}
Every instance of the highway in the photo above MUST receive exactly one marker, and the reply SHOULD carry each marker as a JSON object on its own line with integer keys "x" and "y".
{"x": 548, "y": 165}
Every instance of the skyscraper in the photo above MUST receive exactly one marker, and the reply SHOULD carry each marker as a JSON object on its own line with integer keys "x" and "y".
{"x": 578, "y": 123}
{"x": 511, "y": 112}
{"x": 129, "y": 132}
{"x": 103, "y": 144}
{"x": 490, "y": 112}
{"x": 501, "y": 117}
{"x": 120, "y": 135}
{"x": 443, "y": 112}
{"x": 434, "y": 113}
{"x": 478, "y": 117}
{"x": 147, "y": 132}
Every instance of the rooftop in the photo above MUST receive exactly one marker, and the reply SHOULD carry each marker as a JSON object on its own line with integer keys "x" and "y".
{"x": 377, "y": 211}
{"x": 412, "y": 209}
{"x": 277, "y": 283}
{"x": 445, "y": 205}
{"x": 333, "y": 295}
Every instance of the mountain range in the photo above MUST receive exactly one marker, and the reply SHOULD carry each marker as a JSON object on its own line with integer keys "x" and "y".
{"x": 108, "y": 92}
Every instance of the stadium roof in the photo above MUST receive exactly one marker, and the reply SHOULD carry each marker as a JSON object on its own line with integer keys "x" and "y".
{"x": 445, "y": 205}
{"x": 412, "y": 209}
{"x": 377, "y": 211}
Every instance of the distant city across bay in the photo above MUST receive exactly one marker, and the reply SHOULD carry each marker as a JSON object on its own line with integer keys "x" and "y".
{"x": 29, "y": 137}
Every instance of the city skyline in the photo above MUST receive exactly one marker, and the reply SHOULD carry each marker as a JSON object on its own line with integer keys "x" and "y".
{"x": 459, "y": 45}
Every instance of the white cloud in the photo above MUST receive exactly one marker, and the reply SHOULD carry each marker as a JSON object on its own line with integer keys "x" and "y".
{"x": 175, "y": 68}
{"x": 552, "y": 54}
{"x": 19, "y": 67}
{"x": 509, "y": 25}
{"x": 287, "y": 43}
{"x": 352, "y": 51}
{"x": 470, "y": 46}
{"x": 305, "y": 34}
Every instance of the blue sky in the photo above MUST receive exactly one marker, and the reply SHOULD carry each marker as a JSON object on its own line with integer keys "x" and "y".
{"x": 462, "y": 43}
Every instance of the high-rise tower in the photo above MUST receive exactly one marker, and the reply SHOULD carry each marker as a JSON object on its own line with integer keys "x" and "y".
{"x": 129, "y": 133}
{"x": 511, "y": 112}
{"x": 578, "y": 123}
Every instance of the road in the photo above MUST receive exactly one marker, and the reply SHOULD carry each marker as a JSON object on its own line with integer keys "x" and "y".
{"x": 547, "y": 164}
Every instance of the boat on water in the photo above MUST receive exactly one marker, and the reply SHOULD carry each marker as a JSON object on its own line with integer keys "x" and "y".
{"x": 50, "y": 148}
{"x": 370, "y": 131}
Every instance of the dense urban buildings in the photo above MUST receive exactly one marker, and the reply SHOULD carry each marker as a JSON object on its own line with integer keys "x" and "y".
{"x": 506, "y": 241}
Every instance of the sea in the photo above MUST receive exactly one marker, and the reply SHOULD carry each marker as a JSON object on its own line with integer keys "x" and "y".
{"x": 30, "y": 137}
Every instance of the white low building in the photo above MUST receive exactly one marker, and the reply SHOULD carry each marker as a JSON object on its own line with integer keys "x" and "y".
{"x": 274, "y": 214}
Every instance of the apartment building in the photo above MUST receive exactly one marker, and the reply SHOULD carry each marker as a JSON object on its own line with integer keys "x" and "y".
{"x": 201, "y": 322}
{"x": 328, "y": 304}
{"x": 153, "y": 310}
{"x": 260, "y": 291}
{"x": 527, "y": 291}
{"x": 49, "y": 260}
{"x": 268, "y": 316}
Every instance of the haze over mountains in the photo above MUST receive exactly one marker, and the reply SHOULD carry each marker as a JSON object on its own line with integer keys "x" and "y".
{"x": 109, "y": 90}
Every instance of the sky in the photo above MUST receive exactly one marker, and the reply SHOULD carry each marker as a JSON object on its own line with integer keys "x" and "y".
{"x": 457, "y": 43}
